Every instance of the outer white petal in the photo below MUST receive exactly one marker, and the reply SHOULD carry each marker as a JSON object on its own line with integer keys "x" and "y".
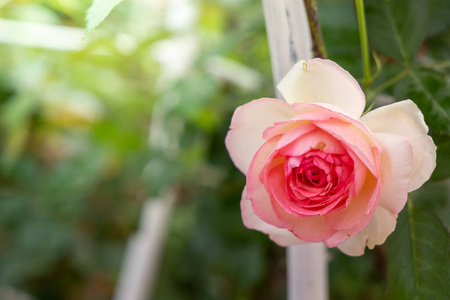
{"x": 405, "y": 118}
{"x": 396, "y": 164}
{"x": 247, "y": 126}
{"x": 380, "y": 226}
{"x": 323, "y": 81}
{"x": 282, "y": 237}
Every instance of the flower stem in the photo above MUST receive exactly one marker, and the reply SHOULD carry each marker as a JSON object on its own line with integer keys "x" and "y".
{"x": 372, "y": 93}
{"x": 364, "y": 42}
{"x": 316, "y": 33}
{"x": 439, "y": 64}
{"x": 385, "y": 85}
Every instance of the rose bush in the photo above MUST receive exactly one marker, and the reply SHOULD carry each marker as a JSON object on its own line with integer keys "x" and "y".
{"x": 319, "y": 172}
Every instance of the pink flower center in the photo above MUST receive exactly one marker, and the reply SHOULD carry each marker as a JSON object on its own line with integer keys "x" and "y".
{"x": 317, "y": 182}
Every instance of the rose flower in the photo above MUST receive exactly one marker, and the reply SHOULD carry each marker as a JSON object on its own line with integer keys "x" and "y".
{"x": 316, "y": 171}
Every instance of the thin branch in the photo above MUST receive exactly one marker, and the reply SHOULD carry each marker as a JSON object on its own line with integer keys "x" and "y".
{"x": 316, "y": 33}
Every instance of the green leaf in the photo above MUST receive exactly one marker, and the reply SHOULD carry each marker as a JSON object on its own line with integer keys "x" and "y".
{"x": 432, "y": 195}
{"x": 430, "y": 91}
{"x": 15, "y": 123}
{"x": 396, "y": 28}
{"x": 418, "y": 257}
{"x": 438, "y": 21}
{"x": 442, "y": 142}
{"x": 98, "y": 12}
{"x": 340, "y": 32}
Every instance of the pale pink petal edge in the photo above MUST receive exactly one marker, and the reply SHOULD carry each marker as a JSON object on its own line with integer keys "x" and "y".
{"x": 323, "y": 81}
{"x": 379, "y": 228}
{"x": 404, "y": 118}
{"x": 248, "y": 123}
{"x": 281, "y": 236}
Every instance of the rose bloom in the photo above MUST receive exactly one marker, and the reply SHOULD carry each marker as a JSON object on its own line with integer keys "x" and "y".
{"x": 318, "y": 171}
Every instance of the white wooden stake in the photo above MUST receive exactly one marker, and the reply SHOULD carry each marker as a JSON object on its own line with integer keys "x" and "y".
{"x": 290, "y": 41}
{"x": 143, "y": 253}
{"x": 288, "y": 34}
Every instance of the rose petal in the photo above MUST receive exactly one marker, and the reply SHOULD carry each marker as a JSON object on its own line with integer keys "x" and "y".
{"x": 323, "y": 81}
{"x": 319, "y": 112}
{"x": 360, "y": 206}
{"x": 256, "y": 191}
{"x": 380, "y": 226}
{"x": 249, "y": 121}
{"x": 315, "y": 139}
{"x": 305, "y": 113}
{"x": 396, "y": 163}
{"x": 404, "y": 118}
{"x": 308, "y": 229}
{"x": 360, "y": 173}
{"x": 337, "y": 238}
{"x": 279, "y": 128}
{"x": 354, "y": 138}
{"x": 276, "y": 182}
{"x": 282, "y": 237}
{"x": 295, "y": 133}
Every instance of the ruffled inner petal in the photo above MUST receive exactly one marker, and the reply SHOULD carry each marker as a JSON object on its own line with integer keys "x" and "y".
{"x": 362, "y": 205}
{"x": 314, "y": 139}
{"x": 354, "y": 140}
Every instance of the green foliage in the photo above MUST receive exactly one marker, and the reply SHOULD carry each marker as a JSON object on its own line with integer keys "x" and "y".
{"x": 357, "y": 277}
{"x": 396, "y": 27}
{"x": 98, "y": 12}
{"x": 437, "y": 21}
{"x": 340, "y": 30}
{"x": 429, "y": 89}
{"x": 407, "y": 36}
{"x": 419, "y": 257}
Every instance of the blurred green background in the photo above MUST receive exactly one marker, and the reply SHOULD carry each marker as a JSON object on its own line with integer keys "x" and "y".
{"x": 141, "y": 106}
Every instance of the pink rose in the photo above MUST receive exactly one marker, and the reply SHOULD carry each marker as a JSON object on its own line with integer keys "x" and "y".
{"x": 319, "y": 172}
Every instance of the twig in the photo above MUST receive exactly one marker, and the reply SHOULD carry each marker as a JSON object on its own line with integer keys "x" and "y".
{"x": 316, "y": 34}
